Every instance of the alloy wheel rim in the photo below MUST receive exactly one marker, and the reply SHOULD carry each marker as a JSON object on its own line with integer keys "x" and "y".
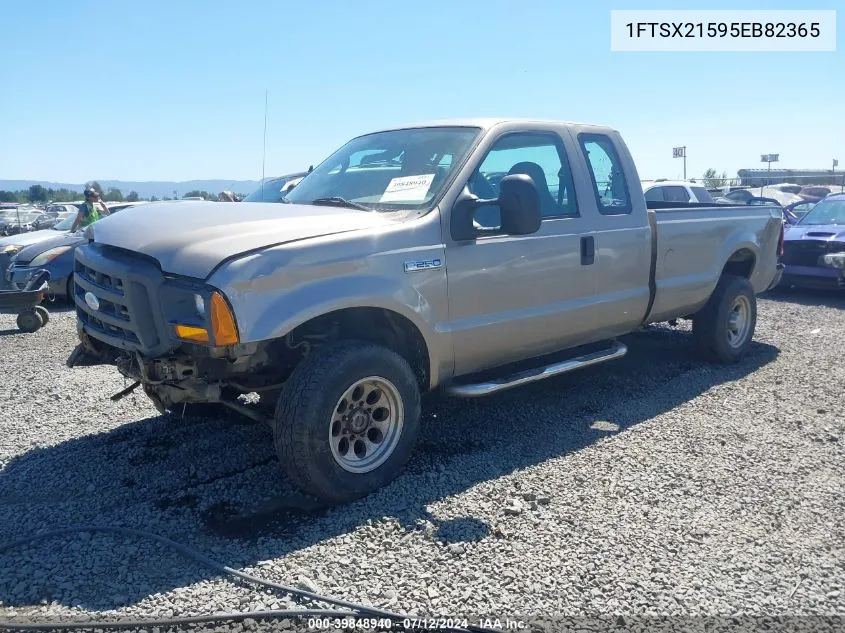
{"x": 366, "y": 424}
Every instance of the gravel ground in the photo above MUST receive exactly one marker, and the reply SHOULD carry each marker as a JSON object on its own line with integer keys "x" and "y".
{"x": 654, "y": 485}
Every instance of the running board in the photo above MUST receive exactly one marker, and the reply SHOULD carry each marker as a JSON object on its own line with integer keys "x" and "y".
{"x": 477, "y": 390}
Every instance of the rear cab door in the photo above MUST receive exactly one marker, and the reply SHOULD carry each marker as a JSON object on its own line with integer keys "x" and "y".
{"x": 609, "y": 187}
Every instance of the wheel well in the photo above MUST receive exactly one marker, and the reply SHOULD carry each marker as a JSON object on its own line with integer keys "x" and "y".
{"x": 740, "y": 264}
{"x": 376, "y": 325}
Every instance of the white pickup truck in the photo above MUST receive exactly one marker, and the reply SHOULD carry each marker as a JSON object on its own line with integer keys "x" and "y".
{"x": 469, "y": 256}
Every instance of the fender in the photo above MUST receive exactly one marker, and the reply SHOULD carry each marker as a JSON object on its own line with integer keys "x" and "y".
{"x": 263, "y": 312}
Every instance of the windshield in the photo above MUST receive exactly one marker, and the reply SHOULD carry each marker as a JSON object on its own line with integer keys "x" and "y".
{"x": 825, "y": 212}
{"x": 399, "y": 169}
{"x": 273, "y": 190}
{"x": 65, "y": 224}
{"x": 800, "y": 210}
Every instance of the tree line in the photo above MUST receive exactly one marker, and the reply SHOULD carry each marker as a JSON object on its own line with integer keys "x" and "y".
{"x": 38, "y": 194}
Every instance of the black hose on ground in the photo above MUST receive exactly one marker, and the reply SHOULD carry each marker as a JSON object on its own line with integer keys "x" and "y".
{"x": 354, "y": 609}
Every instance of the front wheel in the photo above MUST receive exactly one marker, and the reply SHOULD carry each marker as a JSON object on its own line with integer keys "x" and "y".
{"x": 347, "y": 420}
{"x": 724, "y": 327}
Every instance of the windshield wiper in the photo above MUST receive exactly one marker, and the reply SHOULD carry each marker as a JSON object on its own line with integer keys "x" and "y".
{"x": 337, "y": 201}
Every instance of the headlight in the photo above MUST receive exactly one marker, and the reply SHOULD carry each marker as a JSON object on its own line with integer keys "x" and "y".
{"x": 836, "y": 260}
{"x": 11, "y": 249}
{"x": 47, "y": 256}
{"x": 219, "y": 330}
{"x": 198, "y": 314}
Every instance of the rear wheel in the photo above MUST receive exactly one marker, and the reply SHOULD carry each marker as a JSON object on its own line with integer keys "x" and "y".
{"x": 724, "y": 327}
{"x": 44, "y": 314}
{"x": 347, "y": 420}
{"x": 29, "y": 321}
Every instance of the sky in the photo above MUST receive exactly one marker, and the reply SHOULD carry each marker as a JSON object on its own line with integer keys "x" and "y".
{"x": 163, "y": 90}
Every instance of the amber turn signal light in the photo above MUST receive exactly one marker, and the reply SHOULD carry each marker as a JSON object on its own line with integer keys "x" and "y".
{"x": 223, "y": 327}
{"x": 191, "y": 333}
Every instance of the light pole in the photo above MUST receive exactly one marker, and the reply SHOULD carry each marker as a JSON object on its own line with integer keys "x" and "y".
{"x": 768, "y": 158}
{"x": 681, "y": 152}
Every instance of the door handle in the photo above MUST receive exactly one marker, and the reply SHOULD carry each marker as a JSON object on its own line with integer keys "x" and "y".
{"x": 588, "y": 250}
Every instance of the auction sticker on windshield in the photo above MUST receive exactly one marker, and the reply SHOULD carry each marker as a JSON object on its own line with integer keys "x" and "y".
{"x": 407, "y": 189}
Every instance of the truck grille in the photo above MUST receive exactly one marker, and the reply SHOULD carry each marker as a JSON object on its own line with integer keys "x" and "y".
{"x": 112, "y": 291}
{"x": 808, "y": 252}
{"x": 99, "y": 279}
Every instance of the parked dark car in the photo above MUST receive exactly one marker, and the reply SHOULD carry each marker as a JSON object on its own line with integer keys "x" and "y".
{"x": 814, "y": 248}
{"x": 275, "y": 188}
{"x": 54, "y": 255}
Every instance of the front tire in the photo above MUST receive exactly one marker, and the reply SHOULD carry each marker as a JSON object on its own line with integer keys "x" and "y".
{"x": 724, "y": 327}
{"x": 347, "y": 420}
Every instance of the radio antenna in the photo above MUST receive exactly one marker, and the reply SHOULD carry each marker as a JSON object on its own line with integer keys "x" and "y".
{"x": 264, "y": 151}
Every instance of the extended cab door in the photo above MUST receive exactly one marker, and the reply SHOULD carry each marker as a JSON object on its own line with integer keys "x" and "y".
{"x": 623, "y": 235}
{"x": 513, "y": 297}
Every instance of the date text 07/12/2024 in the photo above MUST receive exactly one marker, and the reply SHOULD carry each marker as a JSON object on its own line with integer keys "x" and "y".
{"x": 412, "y": 624}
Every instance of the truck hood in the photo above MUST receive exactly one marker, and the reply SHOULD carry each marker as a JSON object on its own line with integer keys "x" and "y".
{"x": 831, "y": 232}
{"x": 191, "y": 238}
{"x": 25, "y": 239}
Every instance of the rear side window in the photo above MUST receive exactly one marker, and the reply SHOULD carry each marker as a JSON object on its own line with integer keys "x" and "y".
{"x": 702, "y": 195}
{"x": 655, "y": 194}
{"x": 674, "y": 193}
{"x": 606, "y": 172}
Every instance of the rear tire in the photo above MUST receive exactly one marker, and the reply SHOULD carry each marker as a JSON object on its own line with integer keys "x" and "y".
{"x": 29, "y": 321}
{"x": 347, "y": 420}
{"x": 724, "y": 328}
{"x": 44, "y": 314}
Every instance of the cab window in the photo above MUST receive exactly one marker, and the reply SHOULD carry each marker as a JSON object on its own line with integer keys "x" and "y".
{"x": 540, "y": 156}
{"x": 605, "y": 168}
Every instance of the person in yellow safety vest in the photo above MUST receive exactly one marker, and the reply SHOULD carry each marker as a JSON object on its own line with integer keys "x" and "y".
{"x": 88, "y": 211}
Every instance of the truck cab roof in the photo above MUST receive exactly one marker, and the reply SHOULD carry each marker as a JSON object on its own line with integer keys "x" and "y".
{"x": 486, "y": 123}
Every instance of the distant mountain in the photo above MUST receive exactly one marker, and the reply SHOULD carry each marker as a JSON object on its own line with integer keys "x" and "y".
{"x": 144, "y": 189}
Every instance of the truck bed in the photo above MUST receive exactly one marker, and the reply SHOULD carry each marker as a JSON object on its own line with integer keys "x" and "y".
{"x": 693, "y": 239}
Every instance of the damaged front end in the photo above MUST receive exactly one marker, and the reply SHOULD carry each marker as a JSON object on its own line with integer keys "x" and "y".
{"x": 183, "y": 377}
{"x": 176, "y": 338}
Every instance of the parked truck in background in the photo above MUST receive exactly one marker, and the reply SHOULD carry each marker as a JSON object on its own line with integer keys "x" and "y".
{"x": 467, "y": 256}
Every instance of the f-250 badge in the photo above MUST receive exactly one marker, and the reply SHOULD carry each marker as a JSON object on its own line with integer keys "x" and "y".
{"x": 423, "y": 264}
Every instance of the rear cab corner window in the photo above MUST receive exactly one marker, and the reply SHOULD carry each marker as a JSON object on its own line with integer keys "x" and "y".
{"x": 655, "y": 194}
{"x": 608, "y": 177}
{"x": 539, "y": 155}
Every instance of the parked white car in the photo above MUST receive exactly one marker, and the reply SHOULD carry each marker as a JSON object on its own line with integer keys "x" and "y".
{"x": 662, "y": 190}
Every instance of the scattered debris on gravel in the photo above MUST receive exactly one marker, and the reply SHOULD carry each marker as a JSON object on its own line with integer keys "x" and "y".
{"x": 654, "y": 485}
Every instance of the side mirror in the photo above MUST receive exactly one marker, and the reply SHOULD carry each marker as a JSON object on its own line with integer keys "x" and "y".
{"x": 518, "y": 202}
